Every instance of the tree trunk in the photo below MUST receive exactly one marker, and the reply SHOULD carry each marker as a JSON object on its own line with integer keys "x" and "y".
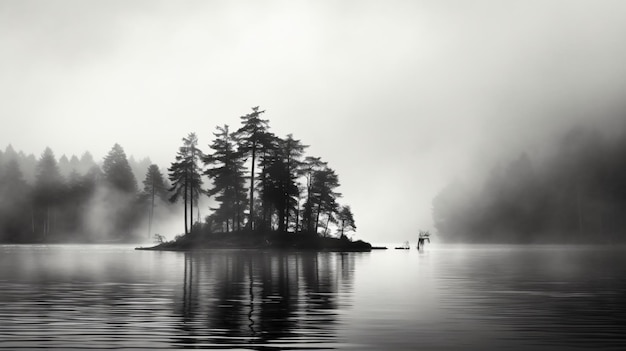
{"x": 236, "y": 213}
{"x": 327, "y": 223}
{"x": 191, "y": 188}
{"x": 251, "y": 219}
{"x": 198, "y": 210}
{"x": 317, "y": 215}
{"x": 297, "y": 215}
{"x": 281, "y": 221}
{"x": 190, "y": 208}
{"x": 287, "y": 197}
{"x": 185, "y": 206}
{"x": 151, "y": 213}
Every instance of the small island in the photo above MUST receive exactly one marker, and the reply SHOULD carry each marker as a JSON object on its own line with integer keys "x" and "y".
{"x": 247, "y": 240}
{"x": 290, "y": 201}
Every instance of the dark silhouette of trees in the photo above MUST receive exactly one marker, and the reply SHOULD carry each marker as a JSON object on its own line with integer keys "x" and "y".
{"x": 323, "y": 195}
{"x": 321, "y": 182}
{"x": 15, "y": 210}
{"x": 277, "y": 187}
{"x": 345, "y": 219}
{"x": 185, "y": 175}
{"x": 226, "y": 170}
{"x": 252, "y": 136}
{"x": 275, "y": 201}
{"x": 308, "y": 170}
{"x": 284, "y": 171}
{"x": 76, "y": 199}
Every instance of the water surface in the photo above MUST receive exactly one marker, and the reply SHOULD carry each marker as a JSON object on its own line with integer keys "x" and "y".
{"x": 446, "y": 297}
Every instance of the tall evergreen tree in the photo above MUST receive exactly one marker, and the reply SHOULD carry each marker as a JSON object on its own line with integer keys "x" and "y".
{"x": 308, "y": 169}
{"x": 185, "y": 176}
{"x": 252, "y": 135}
{"x": 226, "y": 169}
{"x": 120, "y": 199}
{"x": 268, "y": 185}
{"x": 48, "y": 192}
{"x": 154, "y": 187}
{"x": 323, "y": 195}
{"x": 345, "y": 220}
{"x": 117, "y": 171}
{"x": 292, "y": 151}
{"x": 279, "y": 189}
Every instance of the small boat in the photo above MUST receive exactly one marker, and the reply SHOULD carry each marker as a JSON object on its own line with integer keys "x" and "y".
{"x": 406, "y": 246}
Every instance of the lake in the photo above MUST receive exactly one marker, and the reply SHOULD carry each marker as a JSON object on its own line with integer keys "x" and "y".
{"x": 488, "y": 297}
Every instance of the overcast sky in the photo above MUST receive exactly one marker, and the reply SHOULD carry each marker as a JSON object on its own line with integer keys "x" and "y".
{"x": 400, "y": 97}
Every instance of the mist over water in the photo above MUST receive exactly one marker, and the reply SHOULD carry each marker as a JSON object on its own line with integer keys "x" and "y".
{"x": 445, "y": 297}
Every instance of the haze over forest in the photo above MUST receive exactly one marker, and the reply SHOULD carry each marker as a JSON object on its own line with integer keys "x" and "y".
{"x": 78, "y": 200}
{"x": 401, "y": 98}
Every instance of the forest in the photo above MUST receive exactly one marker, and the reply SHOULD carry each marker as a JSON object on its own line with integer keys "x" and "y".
{"x": 256, "y": 182}
{"x": 574, "y": 194}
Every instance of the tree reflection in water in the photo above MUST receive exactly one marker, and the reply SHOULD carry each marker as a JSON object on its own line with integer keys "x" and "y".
{"x": 268, "y": 299}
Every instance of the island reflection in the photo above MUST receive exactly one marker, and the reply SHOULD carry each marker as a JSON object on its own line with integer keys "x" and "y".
{"x": 263, "y": 299}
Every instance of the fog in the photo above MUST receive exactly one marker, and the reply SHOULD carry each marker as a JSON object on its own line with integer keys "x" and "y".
{"x": 399, "y": 97}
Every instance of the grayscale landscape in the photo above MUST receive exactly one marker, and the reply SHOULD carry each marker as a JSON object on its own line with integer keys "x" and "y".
{"x": 274, "y": 175}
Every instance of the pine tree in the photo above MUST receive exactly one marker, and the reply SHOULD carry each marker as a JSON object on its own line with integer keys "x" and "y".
{"x": 185, "y": 176}
{"x": 308, "y": 169}
{"x": 292, "y": 151}
{"x": 252, "y": 135}
{"x": 117, "y": 171}
{"x": 48, "y": 192}
{"x": 154, "y": 187}
{"x": 279, "y": 189}
{"x": 15, "y": 210}
{"x": 226, "y": 169}
{"x": 323, "y": 196}
{"x": 345, "y": 220}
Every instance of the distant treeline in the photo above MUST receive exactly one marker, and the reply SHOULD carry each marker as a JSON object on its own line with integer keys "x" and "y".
{"x": 75, "y": 199}
{"x": 258, "y": 181}
{"x": 576, "y": 195}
